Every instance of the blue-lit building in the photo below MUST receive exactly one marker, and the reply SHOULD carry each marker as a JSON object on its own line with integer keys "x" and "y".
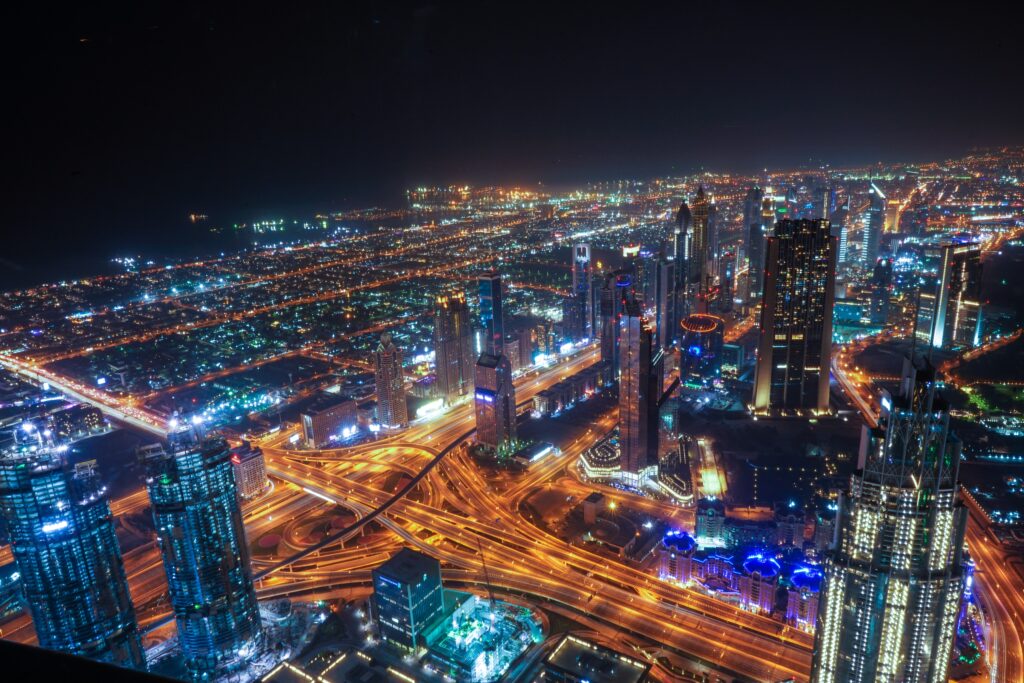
{"x": 408, "y": 598}
{"x": 202, "y": 539}
{"x": 803, "y": 591}
{"x": 492, "y": 315}
{"x": 700, "y": 354}
{"x": 64, "y": 544}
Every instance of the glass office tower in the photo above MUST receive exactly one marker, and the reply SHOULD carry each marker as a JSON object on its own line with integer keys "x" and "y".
{"x": 63, "y": 542}
{"x": 492, "y": 317}
{"x": 199, "y": 528}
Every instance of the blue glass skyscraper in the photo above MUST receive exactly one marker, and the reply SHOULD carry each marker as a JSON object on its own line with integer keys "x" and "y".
{"x": 63, "y": 541}
{"x": 198, "y": 521}
{"x": 492, "y": 317}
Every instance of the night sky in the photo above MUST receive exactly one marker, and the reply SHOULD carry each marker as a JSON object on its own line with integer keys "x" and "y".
{"x": 122, "y": 120}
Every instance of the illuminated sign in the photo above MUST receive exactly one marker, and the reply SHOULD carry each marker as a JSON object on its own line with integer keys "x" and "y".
{"x": 53, "y": 527}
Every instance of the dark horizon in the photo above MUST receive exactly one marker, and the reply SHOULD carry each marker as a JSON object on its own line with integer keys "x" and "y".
{"x": 126, "y": 119}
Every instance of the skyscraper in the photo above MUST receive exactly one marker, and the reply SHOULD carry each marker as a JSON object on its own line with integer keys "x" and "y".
{"x": 665, "y": 302}
{"x": 949, "y": 310}
{"x": 573, "y": 310}
{"x": 726, "y": 280}
{"x": 699, "y": 270}
{"x": 639, "y": 384}
{"x": 199, "y": 528}
{"x": 495, "y": 401}
{"x": 881, "y": 281}
{"x": 582, "y": 276}
{"x": 824, "y": 202}
{"x": 681, "y": 249}
{"x": 754, "y": 229}
{"x": 392, "y": 410}
{"x": 795, "y": 343}
{"x": 453, "y": 346}
{"x": 492, "y": 315}
{"x": 894, "y": 580}
{"x": 63, "y": 542}
{"x": 874, "y": 225}
{"x": 616, "y": 285}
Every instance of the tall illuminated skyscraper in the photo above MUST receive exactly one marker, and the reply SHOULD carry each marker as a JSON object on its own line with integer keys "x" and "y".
{"x": 64, "y": 544}
{"x": 495, "y": 401}
{"x": 726, "y": 280}
{"x": 894, "y": 580}
{"x": 392, "y": 410}
{"x": 639, "y": 382}
{"x": 754, "y": 230}
{"x": 874, "y": 226}
{"x": 453, "y": 346}
{"x": 616, "y": 285}
{"x": 199, "y": 528}
{"x": 795, "y": 343}
{"x": 681, "y": 248}
{"x": 665, "y": 302}
{"x": 699, "y": 266}
{"x": 824, "y": 202}
{"x": 949, "y": 308}
{"x": 582, "y": 277}
{"x": 492, "y": 315}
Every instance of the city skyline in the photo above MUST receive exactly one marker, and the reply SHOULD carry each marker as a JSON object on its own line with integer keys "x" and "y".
{"x": 512, "y": 344}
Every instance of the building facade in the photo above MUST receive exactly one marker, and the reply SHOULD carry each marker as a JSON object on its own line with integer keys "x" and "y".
{"x": 392, "y": 409}
{"x": 250, "y": 470}
{"x": 492, "y": 314}
{"x": 894, "y": 581}
{"x": 638, "y": 414}
{"x": 795, "y": 343}
{"x": 453, "y": 346}
{"x": 949, "y": 307}
{"x": 408, "y": 598}
{"x": 616, "y": 285}
{"x": 64, "y": 545}
{"x": 582, "y": 286}
{"x": 754, "y": 229}
{"x": 873, "y": 226}
{"x": 327, "y": 419}
{"x": 700, "y": 266}
{"x": 495, "y": 401}
{"x": 199, "y": 528}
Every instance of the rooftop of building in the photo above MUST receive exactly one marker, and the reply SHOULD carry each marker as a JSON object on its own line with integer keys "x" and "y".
{"x": 326, "y": 401}
{"x": 595, "y": 663}
{"x": 408, "y": 566}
